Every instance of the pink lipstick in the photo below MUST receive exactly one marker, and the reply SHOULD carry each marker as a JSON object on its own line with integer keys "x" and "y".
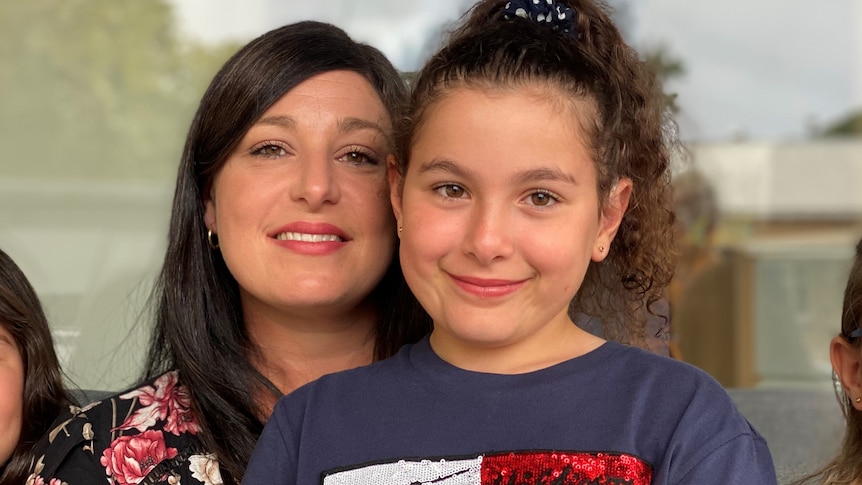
{"x": 311, "y": 238}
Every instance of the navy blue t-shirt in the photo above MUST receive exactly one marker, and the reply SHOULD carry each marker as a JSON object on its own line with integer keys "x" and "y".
{"x": 615, "y": 415}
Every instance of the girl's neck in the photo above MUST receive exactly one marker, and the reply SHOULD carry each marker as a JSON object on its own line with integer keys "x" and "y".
{"x": 557, "y": 343}
{"x": 292, "y": 350}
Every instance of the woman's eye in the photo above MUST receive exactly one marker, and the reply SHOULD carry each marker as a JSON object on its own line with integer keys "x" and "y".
{"x": 452, "y": 191}
{"x": 359, "y": 158}
{"x": 542, "y": 199}
{"x": 269, "y": 150}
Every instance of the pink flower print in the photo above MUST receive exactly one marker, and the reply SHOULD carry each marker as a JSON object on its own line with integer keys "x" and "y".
{"x": 166, "y": 401}
{"x": 154, "y": 403}
{"x": 38, "y": 480}
{"x": 180, "y": 416}
{"x": 130, "y": 458}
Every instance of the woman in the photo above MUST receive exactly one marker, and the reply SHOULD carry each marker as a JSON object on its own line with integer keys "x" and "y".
{"x": 279, "y": 266}
{"x": 845, "y": 352}
{"x": 31, "y": 384}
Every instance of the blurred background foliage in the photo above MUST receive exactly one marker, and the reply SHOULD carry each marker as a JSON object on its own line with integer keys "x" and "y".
{"x": 97, "y": 89}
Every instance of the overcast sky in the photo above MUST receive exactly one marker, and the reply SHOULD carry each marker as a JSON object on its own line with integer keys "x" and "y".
{"x": 754, "y": 68}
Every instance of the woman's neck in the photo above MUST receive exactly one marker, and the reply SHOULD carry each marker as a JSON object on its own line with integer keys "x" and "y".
{"x": 292, "y": 350}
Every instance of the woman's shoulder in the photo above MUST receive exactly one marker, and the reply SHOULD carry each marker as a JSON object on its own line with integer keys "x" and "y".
{"x": 123, "y": 437}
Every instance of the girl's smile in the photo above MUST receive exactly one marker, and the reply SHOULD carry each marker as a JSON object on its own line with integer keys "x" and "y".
{"x": 487, "y": 288}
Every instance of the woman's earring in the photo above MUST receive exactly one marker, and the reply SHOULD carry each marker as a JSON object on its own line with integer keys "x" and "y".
{"x": 212, "y": 239}
{"x": 601, "y": 249}
{"x": 400, "y": 228}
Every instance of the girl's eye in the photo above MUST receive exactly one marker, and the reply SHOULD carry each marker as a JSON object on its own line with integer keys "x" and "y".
{"x": 542, "y": 198}
{"x": 451, "y": 191}
{"x": 356, "y": 157}
{"x": 268, "y": 150}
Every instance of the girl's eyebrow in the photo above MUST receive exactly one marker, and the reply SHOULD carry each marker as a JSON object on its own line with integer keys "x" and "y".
{"x": 543, "y": 174}
{"x": 440, "y": 165}
{"x": 531, "y": 175}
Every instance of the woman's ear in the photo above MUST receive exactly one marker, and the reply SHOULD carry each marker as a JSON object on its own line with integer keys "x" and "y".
{"x": 847, "y": 363}
{"x": 612, "y": 215}
{"x": 395, "y": 186}
{"x": 210, "y": 211}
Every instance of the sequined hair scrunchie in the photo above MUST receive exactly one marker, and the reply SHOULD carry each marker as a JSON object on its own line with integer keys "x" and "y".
{"x": 544, "y": 12}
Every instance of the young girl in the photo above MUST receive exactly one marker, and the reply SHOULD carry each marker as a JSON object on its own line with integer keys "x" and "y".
{"x": 845, "y": 351}
{"x": 31, "y": 384}
{"x": 537, "y": 175}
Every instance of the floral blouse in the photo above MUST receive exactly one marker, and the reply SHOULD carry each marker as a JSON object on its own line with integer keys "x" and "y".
{"x": 145, "y": 436}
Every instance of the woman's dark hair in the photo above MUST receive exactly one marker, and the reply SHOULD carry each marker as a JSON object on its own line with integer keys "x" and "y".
{"x": 44, "y": 395}
{"x": 628, "y": 133}
{"x": 199, "y": 326}
{"x": 846, "y": 468}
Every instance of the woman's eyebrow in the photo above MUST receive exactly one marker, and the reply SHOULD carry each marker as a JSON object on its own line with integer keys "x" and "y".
{"x": 345, "y": 125}
{"x": 354, "y": 124}
{"x": 7, "y": 339}
{"x": 277, "y": 120}
{"x": 351, "y": 124}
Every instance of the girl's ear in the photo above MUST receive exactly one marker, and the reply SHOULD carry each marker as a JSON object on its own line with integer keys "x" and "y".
{"x": 847, "y": 362}
{"x": 395, "y": 187}
{"x": 612, "y": 215}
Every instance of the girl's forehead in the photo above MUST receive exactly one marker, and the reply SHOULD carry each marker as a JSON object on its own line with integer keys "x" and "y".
{"x": 515, "y": 108}
{"x": 511, "y": 131}
{"x": 568, "y": 104}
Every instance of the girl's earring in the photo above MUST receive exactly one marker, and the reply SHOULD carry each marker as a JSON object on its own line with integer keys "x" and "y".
{"x": 841, "y": 395}
{"x": 601, "y": 249}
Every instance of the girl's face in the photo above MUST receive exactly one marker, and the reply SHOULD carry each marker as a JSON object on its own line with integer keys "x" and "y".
{"x": 11, "y": 394}
{"x": 501, "y": 218}
{"x": 300, "y": 207}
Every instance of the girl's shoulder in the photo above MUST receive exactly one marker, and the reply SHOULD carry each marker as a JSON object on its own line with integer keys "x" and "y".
{"x": 124, "y": 438}
{"x": 664, "y": 379}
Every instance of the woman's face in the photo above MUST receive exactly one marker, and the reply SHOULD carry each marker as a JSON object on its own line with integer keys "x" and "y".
{"x": 501, "y": 218}
{"x": 301, "y": 207}
{"x": 11, "y": 394}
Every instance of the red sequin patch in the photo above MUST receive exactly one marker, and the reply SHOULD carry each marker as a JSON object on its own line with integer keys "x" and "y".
{"x": 560, "y": 468}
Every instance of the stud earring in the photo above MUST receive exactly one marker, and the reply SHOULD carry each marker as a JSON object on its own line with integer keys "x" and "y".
{"x": 858, "y": 399}
{"x": 212, "y": 239}
{"x": 601, "y": 249}
{"x": 400, "y": 228}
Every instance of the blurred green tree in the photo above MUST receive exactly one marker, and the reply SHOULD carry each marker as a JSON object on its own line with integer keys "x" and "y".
{"x": 850, "y": 125}
{"x": 659, "y": 56}
{"x": 97, "y": 89}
